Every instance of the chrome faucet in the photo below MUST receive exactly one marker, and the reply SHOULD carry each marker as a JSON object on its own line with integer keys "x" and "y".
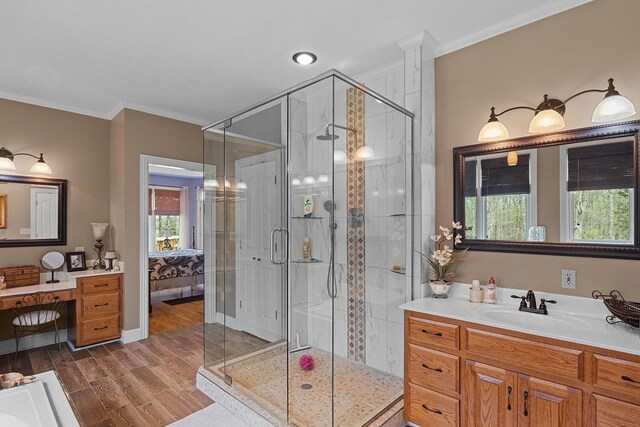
{"x": 531, "y": 300}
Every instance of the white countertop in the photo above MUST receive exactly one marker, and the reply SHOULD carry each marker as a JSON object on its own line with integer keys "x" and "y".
{"x": 573, "y": 319}
{"x": 67, "y": 281}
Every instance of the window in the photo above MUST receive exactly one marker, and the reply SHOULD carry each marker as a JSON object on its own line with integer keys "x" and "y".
{"x": 499, "y": 197}
{"x": 164, "y": 218}
{"x": 598, "y": 195}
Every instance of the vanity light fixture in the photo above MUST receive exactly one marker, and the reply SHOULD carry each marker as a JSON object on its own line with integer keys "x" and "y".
{"x": 365, "y": 153}
{"x": 339, "y": 156}
{"x": 241, "y": 185}
{"x": 304, "y": 58}
{"x": 309, "y": 180}
{"x": 548, "y": 115}
{"x": 39, "y": 167}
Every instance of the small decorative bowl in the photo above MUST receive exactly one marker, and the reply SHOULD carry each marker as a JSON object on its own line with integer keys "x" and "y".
{"x": 440, "y": 288}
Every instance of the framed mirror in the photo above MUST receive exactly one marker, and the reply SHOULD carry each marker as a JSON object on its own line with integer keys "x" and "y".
{"x": 572, "y": 193}
{"x": 33, "y": 211}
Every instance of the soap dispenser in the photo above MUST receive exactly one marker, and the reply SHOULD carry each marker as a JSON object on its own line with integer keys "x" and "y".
{"x": 491, "y": 294}
{"x": 476, "y": 293}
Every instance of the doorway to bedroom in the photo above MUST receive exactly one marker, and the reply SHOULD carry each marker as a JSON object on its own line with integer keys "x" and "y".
{"x": 174, "y": 264}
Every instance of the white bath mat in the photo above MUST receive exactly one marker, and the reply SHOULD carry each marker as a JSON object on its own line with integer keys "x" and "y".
{"x": 212, "y": 416}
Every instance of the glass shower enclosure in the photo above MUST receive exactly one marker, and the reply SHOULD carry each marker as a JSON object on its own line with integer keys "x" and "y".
{"x": 308, "y": 251}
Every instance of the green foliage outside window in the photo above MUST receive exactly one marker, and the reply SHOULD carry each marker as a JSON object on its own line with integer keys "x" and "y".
{"x": 506, "y": 217}
{"x": 601, "y": 215}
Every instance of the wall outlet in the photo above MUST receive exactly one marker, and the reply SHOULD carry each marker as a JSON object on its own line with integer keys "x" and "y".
{"x": 79, "y": 249}
{"x": 569, "y": 279}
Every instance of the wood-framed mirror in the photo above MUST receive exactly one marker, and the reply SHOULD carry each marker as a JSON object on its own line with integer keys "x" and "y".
{"x": 33, "y": 211}
{"x": 571, "y": 193}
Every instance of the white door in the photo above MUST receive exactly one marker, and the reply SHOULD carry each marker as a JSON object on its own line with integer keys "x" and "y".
{"x": 44, "y": 213}
{"x": 258, "y": 281}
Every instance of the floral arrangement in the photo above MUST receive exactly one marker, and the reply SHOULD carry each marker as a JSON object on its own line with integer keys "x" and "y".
{"x": 444, "y": 255}
{"x": 307, "y": 362}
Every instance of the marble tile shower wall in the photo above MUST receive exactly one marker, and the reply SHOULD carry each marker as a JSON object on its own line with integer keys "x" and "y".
{"x": 385, "y": 190}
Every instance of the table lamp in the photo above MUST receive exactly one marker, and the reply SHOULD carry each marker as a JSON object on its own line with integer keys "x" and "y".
{"x": 99, "y": 229}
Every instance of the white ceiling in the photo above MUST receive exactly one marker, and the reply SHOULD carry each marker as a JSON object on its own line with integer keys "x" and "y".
{"x": 200, "y": 60}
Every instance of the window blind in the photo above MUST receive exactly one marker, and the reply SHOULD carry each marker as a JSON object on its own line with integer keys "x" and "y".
{"x": 601, "y": 167}
{"x": 470, "y": 178}
{"x": 167, "y": 202}
{"x": 500, "y": 178}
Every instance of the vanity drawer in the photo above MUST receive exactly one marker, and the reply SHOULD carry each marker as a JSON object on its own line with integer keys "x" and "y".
{"x": 101, "y": 304}
{"x": 99, "y": 284}
{"x": 526, "y": 355}
{"x": 10, "y": 302}
{"x": 433, "y": 369}
{"x": 615, "y": 413}
{"x": 98, "y": 329}
{"x": 428, "y": 408}
{"x": 617, "y": 375}
{"x": 428, "y": 332}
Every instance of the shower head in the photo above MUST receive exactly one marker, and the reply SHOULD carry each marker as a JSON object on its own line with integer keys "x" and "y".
{"x": 329, "y": 206}
{"x": 327, "y": 136}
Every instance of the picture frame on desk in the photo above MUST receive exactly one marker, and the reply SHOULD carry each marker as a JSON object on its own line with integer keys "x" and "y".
{"x": 76, "y": 261}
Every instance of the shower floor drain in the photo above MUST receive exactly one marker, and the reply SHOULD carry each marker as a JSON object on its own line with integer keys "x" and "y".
{"x": 306, "y": 386}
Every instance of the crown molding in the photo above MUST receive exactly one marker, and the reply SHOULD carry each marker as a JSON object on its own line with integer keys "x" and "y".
{"x": 54, "y": 105}
{"x": 517, "y": 21}
{"x": 156, "y": 112}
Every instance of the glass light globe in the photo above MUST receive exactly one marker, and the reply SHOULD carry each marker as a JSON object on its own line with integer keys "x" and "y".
{"x": 323, "y": 179}
{"x": 295, "y": 181}
{"x": 365, "y": 153}
{"x": 614, "y": 107}
{"x": 339, "y": 156}
{"x": 213, "y": 183}
{"x": 546, "y": 121}
{"x": 7, "y": 163}
{"x": 241, "y": 185}
{"x": 40, "y": 167}
{"x": 493, "y": 131}
{"x": 309, "y": 180}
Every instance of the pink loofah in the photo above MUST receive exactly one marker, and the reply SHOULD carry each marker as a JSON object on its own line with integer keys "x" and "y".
{"x": 307, "y": 362}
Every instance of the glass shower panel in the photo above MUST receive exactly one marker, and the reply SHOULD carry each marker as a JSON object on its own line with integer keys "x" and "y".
{"x": 255, "y": 253}
{"x": 311, "y": 283}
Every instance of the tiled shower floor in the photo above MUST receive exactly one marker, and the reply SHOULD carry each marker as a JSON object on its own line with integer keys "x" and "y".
{"x": 360, "y": 393}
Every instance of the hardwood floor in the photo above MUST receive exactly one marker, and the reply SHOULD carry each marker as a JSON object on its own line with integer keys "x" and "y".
{"x": 144, "y": 383}
{"x": 167, "y": 317}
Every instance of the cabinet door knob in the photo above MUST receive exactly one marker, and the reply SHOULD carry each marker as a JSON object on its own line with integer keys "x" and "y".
{"x": 435, "y": 411}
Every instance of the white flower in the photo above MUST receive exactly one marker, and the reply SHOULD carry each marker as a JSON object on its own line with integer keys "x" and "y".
{"x": 456, "y": 225}
{"x": 435, "y": 238}
{"x": 448, "y": 236}
{"x": 445, "y": 230}
{"x": 458, "y": 239}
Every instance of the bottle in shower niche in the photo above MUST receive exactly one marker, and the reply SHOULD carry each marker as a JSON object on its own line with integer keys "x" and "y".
{"x": 306, "y": 249}
{"x": 307, "y": 206}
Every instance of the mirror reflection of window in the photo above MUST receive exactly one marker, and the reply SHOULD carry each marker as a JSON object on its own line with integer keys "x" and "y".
{"x": 598, "y": 192}
{"x": 500, "y": 196}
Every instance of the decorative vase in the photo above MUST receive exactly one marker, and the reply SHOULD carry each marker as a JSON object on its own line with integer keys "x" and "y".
{"x": 440, "y": 288}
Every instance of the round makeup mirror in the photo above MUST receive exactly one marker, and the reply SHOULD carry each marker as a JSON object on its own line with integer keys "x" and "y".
{"x": 52, "y": 261}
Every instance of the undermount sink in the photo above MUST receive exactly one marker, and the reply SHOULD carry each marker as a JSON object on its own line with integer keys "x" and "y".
{"x": 528, "y": 320}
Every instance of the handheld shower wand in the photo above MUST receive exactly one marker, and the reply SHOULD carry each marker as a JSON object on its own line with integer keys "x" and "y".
{"x": 332, "y": 289}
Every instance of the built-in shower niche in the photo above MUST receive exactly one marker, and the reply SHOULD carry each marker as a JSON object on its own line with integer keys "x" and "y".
{"x": 334, "y": 231}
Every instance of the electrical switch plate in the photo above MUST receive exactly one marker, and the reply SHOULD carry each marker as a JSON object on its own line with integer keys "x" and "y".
{"x": 79, "y": 248}
{"x": 569, "y": 279}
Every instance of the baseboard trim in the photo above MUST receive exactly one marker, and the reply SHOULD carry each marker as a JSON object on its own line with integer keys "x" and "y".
{"x": 32, "y": 341}
{"x": 131, "y": 335}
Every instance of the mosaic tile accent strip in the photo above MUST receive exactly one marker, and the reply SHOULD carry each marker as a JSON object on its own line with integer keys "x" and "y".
{"x": 356, "y": 314}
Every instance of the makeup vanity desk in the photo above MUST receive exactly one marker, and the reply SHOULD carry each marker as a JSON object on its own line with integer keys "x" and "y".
{"x": 95, "y": 304}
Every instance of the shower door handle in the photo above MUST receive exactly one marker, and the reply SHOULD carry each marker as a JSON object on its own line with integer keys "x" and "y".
{"x": 271, "y": 246}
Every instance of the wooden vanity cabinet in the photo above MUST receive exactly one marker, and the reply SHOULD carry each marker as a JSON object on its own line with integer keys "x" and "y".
{"x": 463, "y": 374}
{"x": 98, "y": 309}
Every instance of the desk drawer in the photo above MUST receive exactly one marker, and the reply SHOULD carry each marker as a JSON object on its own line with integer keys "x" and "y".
{"x": 526, "y": 355}
{"x": 427, "y": 333}
{"x": 99, "y": 329}
{"x": 99, "y": 284}
{"x": 433, "y": 369}
{"x": 100, "y": 304}
{"x": 428, "y": 408}
{"x": 617, "y": 375}
{"x": 10, "y": 302}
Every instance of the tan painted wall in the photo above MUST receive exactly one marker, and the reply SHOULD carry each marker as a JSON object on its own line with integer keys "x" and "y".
{"x": 561, "y": 55}
{"x": 139, "y": 133}
{"x": 77, "y": 149}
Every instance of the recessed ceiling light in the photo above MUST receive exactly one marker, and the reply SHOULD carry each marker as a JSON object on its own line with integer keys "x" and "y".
{"x": 304, "y": 58}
